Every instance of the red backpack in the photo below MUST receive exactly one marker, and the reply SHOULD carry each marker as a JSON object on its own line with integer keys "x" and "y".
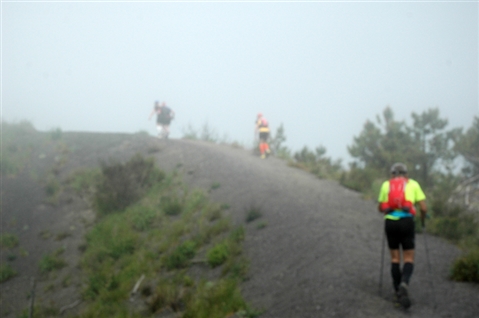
{"x": 264, "y": 122}
{"x": 397, "y": 197}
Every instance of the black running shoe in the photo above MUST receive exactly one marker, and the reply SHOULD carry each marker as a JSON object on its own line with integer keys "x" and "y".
{"x": 403, "y": 297}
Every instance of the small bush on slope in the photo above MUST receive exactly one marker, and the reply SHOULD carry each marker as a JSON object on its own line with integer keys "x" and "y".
{"x": 121, "y": 184}
{"x": 6, "y": 272}
{"x": 466, "y": 268}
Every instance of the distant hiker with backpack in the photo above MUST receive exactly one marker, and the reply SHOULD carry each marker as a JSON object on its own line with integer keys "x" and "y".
{"x": 164, "y": 115}
{"x": 397, "y": 198}
{"x": 262, "y": 128}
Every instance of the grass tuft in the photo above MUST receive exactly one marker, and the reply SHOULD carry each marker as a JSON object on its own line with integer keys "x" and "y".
{"x": 218, "y": 254}
{"x": 253, "y": 213}
{"x": 8, "y": 240}
{"x": 6, "y": 272}
{"x": 171, "y": 206}
{"x": 51, "y": 262}
{"x": 181, "y": 255}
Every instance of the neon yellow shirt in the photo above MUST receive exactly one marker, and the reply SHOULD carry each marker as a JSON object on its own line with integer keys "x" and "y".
{"x": 413, "y": 193}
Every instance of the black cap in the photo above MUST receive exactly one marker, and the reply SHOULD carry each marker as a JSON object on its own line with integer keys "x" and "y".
{"x": 398, "y": 168}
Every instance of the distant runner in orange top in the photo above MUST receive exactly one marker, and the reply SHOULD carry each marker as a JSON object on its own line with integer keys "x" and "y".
{"x": 262, "y": 128}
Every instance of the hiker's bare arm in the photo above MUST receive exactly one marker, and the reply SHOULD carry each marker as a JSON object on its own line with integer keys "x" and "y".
{"x": 422, "y": 208}
{"x": 151, "y": 114}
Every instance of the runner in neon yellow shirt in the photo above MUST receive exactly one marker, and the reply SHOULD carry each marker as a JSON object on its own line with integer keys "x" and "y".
{"x": 399, "y": 227}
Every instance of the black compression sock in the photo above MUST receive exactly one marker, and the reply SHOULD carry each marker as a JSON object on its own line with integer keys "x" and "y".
{"x": 396, "y": 274}
{"x": 407, "y": 272}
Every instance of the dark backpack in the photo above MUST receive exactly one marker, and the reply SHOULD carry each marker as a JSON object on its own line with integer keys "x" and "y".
{"x": 165, "y": 112}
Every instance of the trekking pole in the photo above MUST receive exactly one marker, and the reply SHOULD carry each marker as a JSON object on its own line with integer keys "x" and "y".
{"x": 431, "y": 282}
{"x": 382, "y": 263}
{"x": 32, "y": 299}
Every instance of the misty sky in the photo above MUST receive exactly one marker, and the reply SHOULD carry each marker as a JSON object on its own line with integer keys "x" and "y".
{"x": 320, "y": 68}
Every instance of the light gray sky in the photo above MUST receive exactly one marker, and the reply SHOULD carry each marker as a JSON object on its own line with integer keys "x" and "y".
{"x": 320, "y": 68}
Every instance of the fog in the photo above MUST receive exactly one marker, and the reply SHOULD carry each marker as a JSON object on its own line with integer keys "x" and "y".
{"x": 320, "y": 68}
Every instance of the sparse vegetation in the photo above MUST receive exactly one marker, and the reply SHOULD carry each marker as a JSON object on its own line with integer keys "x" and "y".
{"x": 45, "y": 234}
{"x": 52, "y": 189}
{"x": 317, "y": 163}
{"x": 62, "y": 235}
{"x": 159, "y": 235}
{"x": 180, "y": 256}
{"x": 84, "y": 181}
{"x": 261, "y": 225}
{"x": 171, "y": 206}
{"x": 56, "y": 133}
{"x": 207, "y": 133}
{"x": 8, "y": 240}
{"x": 466, "y": 268}
{"x": 215, "y": 185}
{"x": 218, "y": 254}
{"x": 6, "y": 272}
{"x": 253, "y": 213}
{"x": 41, "y": 311}
{"x": 15, "y": 155}
{"x": 53, "y": 261}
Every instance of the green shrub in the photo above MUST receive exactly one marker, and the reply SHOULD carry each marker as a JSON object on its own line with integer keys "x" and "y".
{"x": 112, "y": 238}
{"x": 181, "y": 255}
{"x": 121, "y": 185}
{"x": 218, "y": 254}
{"x": 213, "y": 213}
{"x": 15, "y": 155}
{"x": 359, "y": 179}
{"x": 39, "y": 311}
{"x": 6, "y": 272}
{"x": 84, "y": 181}
{"x": 253, "y": 213}
{"x": 466, "y": 268}
{"x": 56, "y": 133}
{"x": 52, "y": 262}
{"x": 261, "y": 225}
{"x": 171, "y": 206}
{"x": 52, "y": 186}
{"x": 62, "y": 235}
{"x": 142, "y": 217}
{"x": 170, "y": 292}
{"x": 317, "y": 163}
{"x": 215, "y": 300}
{"x": 454, "y": 228}
{"x": 212, "y": 230}
{"x": 215, "y": 185}
{"x": 237, "y": 235}
{"x": 8, "y": 240}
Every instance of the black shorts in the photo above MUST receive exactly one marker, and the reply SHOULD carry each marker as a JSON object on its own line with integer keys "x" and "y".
{"x": 163, "y": 120}
{"x": 400, "y": 233}
{"x": 263, "y": 136}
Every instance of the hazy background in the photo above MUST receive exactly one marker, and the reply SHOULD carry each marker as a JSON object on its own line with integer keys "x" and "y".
{"x": 322, "y": 69}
